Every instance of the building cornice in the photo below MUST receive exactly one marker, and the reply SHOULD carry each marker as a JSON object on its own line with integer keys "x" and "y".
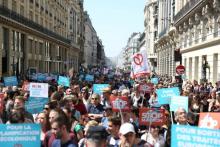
{"x": 204, "y": 44}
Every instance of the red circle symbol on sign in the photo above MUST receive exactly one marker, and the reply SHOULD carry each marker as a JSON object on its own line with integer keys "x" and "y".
{"x": 138, "y": 59}
{"x": 180, "y": 69}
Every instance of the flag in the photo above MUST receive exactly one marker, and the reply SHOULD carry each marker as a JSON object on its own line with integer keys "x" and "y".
{"x": 139, "y": 65}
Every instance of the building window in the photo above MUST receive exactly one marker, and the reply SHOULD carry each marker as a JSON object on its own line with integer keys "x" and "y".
{"x": 30, "y": 15}
{"x": 14, "y": 5}
{"x": 22, "y": 10}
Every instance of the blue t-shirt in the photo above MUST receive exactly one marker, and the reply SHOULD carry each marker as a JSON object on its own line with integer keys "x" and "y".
{"x": 57, "y": 143}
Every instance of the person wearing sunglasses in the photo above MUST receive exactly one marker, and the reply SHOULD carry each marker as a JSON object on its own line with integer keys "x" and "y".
{"x": 95, "y": 109}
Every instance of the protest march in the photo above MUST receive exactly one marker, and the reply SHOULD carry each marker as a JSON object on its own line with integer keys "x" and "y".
{"x": 99, "y": 107}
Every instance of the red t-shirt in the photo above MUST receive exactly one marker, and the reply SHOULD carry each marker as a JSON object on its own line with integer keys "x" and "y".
{"x": 81, "y": 108}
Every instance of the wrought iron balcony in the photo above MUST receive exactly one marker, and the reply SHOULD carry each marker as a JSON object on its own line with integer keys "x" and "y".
{"x": 186, "y": 9}
{"x": 4, "y": 11}
{"x": 152, "y": 56}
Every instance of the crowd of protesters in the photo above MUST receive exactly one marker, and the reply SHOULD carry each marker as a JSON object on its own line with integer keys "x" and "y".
{"x": 76, "y": 116}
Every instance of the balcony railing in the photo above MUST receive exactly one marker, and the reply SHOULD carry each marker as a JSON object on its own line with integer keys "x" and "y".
{"x": 4, "y": 11}
{"x": 186, "y": 9}
{"x": 152, "y": 56}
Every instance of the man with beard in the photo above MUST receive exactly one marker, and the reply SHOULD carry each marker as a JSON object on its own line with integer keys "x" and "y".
{"x": 60, "y": 128}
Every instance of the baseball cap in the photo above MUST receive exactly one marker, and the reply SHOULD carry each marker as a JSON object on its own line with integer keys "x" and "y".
{"x": 126, "y": 128}
{"x": 97, "y": 132}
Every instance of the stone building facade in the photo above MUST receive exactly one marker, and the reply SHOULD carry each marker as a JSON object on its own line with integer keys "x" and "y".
{"x": 151, "y": 31}
{"x": 40, "y": 34}
{"x": 197, "y": 25}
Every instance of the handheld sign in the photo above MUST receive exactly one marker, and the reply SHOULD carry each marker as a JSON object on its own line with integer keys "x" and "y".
{"x": 10, "y": 81}
{"x": 39, "y": 90}
{"x": 64, "y": 81}
{"x": 154, "y": 81}
{"x": 20, "y": 135}
{"x": 119, "y": 103}
{"x": 35, "y": 104}
{"x": 89, "y": 78}
{"x": 97, "y": 88}
{"x": 209, "y": 120}
{"x": 179, "y": 102}
{"x": 164, "y": 94}
{"x": 146, "y": 88}
{"x": 151, "y": 116}
{"x": 139, "y": 64}
{"x": 189, "y": 136}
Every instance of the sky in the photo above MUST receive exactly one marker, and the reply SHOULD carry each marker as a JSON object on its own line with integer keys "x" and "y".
{"x": 115, "y": 21}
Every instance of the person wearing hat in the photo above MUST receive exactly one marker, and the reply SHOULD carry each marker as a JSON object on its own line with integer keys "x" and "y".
{"x": 96, "y": 137}
{"x": 106, "y": 97}
{"x": 128, "y": 137}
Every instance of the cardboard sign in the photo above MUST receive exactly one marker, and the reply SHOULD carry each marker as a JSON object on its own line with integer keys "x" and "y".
{"x": 164, "y": 94}
{"x": 154, "y": 81}
{"x": 119, "y": 103}
{"x": 10, "y": 81}
{"x": 97, "y": 88}
{"x": 146, "y": 88}
{"x": 209, "y": 120}
{"x": 189, "y": 136}
{"x": 39, "y": 90}
{"x": 179, "y": 102}
{"x": 20, "y": 135}
{"x": 64, "y": 81}
{"x": 35, "y": 104}
{"x": 151, "y": 116}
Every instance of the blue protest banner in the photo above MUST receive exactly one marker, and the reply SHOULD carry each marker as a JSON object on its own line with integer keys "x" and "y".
{"x": 179, "y": 102}
{"x": 35, "y": 104}
{"x": 41, "y": 77}
{"x": 164, "y": 94}
{"x": 20, "y": 135}
{"x": 97, "y": 88}
{"x": 65, "y": 81}
{"x": 190, "y": 136}
{"x": 89, "y": 78}
{"x": 10, "y": 81}
{"x": 154, "y": 81}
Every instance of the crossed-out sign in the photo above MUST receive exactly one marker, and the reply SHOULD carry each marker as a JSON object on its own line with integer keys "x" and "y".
{"x": 138, "y": 59}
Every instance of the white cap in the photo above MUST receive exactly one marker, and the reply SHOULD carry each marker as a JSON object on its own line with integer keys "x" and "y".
{"x": 126, "y": 128}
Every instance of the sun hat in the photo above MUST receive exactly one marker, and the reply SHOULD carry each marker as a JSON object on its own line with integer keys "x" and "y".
{"x": 126, "y": 128}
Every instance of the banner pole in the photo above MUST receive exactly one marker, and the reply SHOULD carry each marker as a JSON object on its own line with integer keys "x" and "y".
{"x": 171, "y": 115}
{"x": 122, "y": 117}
